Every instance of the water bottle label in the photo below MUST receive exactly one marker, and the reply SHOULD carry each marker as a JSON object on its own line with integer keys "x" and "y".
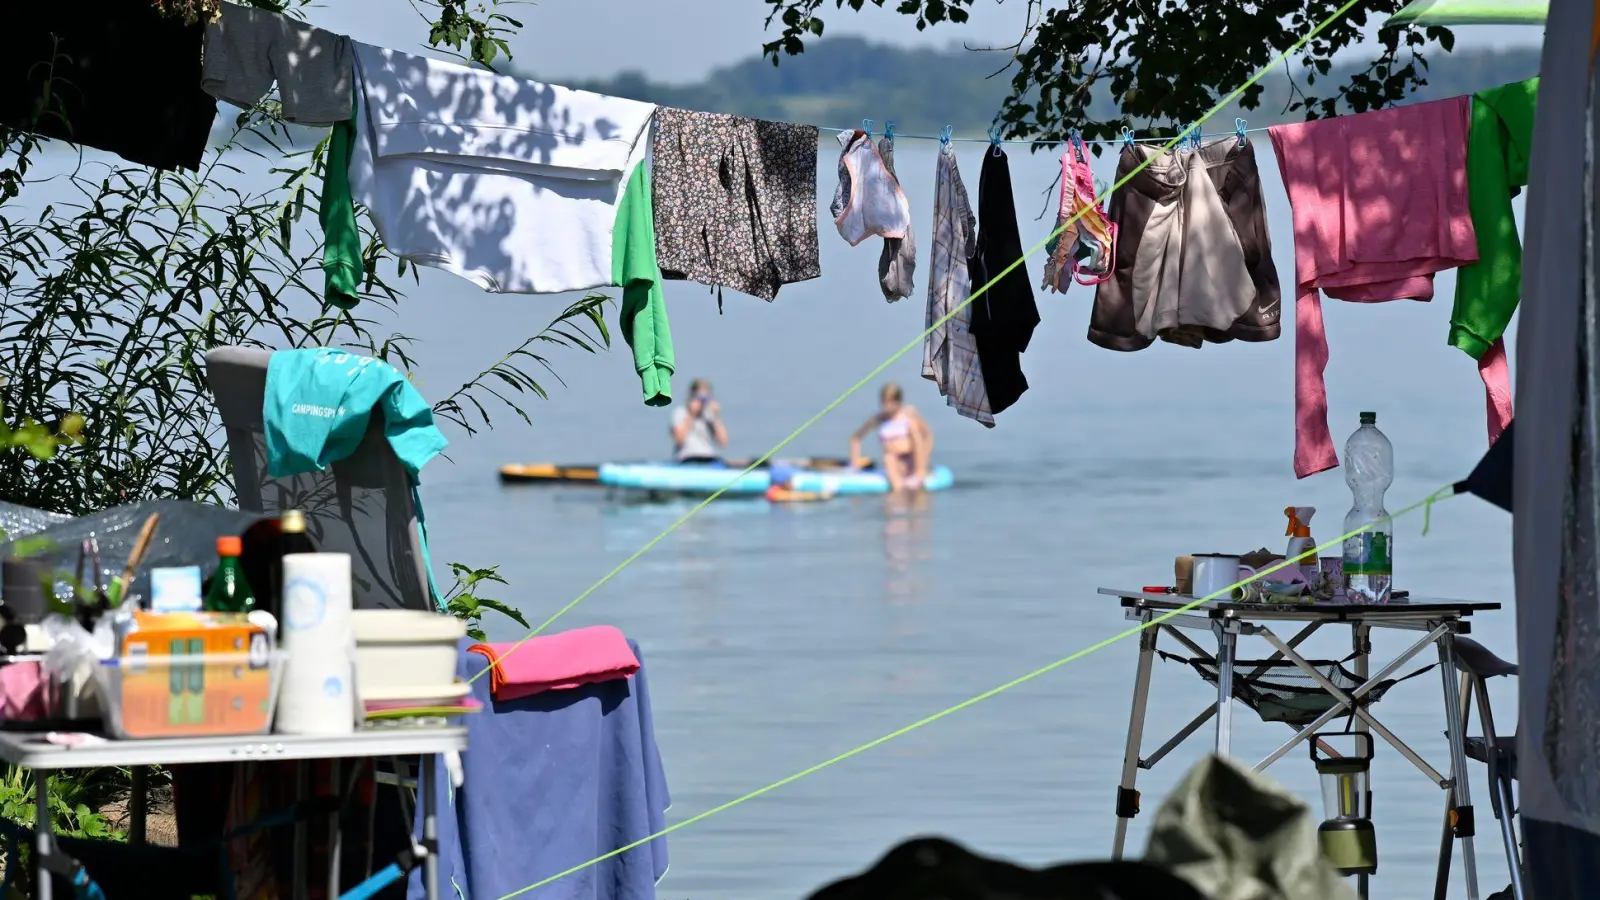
{"x": 1371, "y": 556}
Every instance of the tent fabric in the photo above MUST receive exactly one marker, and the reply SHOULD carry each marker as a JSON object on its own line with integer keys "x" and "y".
{"x": 1491, "y": 477}
{"x": 1428, "y": 13}
{"x": 1557, "y": 641}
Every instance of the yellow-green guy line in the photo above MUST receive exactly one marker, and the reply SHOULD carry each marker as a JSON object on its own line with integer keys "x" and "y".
{"x": 1224, "y": 594}
{"x": 916, "y": 342}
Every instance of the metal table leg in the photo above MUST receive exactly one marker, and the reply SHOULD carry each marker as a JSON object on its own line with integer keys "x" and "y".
{"x": 1227, "y": 647}
{"x": 430, "y": 827}
{"x": 1500, "y": 788}
{"x": 1361, "y": 639}
{"x": 334, "y": 831}
{"x": 302, "y": 850}
{"x": 44, "y": 842}
{"x": 1460, "y": 789}
{"x": 138, "y": 804}
{"x": 1127, "y": 797}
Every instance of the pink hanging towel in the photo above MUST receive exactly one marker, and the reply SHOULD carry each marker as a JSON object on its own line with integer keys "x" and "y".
{"x": 557, "y": 661}
{"x": 1380, "y": 204}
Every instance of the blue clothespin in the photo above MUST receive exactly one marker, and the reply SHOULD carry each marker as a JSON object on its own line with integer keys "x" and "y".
{"x": 994, "y": 139}
{"x": 944, "y": 134}
{"x": 888, "y": 130}
{"x": 1238, "y": 129}
{"x": 1075, "y": 141}
{"x": 866, "y": 125}
{"x": 1127, "y": 136}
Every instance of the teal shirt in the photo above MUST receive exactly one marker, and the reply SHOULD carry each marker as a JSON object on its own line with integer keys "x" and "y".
{"x": 318, "y": 405}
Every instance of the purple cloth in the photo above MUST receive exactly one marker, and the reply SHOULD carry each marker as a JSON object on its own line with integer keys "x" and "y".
{"x": 553, "y": 780}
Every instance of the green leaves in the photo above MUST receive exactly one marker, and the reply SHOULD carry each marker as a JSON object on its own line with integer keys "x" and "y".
{"x": 480, "y": 27}
{"x": 1098, "y": 65}
{"x": 463, "y": 602}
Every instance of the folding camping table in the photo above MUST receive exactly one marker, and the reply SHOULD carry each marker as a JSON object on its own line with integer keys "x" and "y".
{"x": 1439, "y": 621}
{"x": 31, "y": 751}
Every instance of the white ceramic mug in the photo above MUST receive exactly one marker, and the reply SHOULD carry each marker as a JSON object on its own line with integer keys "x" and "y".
{"x": 1214, "y": 573}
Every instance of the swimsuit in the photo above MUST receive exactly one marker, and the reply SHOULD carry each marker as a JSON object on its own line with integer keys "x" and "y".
{"x": 893, "y": 430}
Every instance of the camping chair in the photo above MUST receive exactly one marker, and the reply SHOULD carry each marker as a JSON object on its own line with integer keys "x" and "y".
{"x": 1477, "y": 666}
{"x": 362, "y": 505}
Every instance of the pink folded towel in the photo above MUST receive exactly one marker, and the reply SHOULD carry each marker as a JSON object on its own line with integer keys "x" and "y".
{"x": 22, "y": 691}
{"x": 557, "y": 661}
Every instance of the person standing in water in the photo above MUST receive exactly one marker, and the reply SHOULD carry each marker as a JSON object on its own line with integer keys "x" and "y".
{"x": 906, "y": 438}
{"x": 697, "y": 429}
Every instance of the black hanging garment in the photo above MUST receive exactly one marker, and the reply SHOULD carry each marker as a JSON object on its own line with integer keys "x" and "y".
{"x": 111, "y": 74}
{"x": 1004, "y": 316}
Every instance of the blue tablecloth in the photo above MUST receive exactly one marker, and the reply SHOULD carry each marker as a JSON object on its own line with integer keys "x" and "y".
{"x": 554, "y": 781}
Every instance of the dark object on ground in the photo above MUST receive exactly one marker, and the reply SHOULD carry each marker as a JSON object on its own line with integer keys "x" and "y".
{"x": 936, "y": 868}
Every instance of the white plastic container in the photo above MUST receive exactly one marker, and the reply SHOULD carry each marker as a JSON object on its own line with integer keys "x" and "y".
{"x": 404, "y": 654}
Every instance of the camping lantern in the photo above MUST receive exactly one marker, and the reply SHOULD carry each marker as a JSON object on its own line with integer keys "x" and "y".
{"x": 1347, "y": 837}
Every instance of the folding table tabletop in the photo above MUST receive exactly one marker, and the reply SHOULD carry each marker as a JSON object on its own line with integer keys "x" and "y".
{"x": 1438, "y": 621}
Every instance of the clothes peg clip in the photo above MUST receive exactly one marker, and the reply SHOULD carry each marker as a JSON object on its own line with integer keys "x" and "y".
{"x": 1239, "y": 129}
{"x": 888, "y": 130}
{"x": 1075, "y": 141}
{"x": 994, "y": 140}
{"x": 944, "y": 134}
{"x": 866, "y": 125}
{"x": 1127, "y": 136}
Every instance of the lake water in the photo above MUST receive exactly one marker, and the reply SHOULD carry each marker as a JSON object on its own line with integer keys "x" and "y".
{"x": 778, "y": 636}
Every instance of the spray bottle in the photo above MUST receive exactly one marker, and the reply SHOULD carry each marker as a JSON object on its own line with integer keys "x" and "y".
{"x": 1300, "y": 539}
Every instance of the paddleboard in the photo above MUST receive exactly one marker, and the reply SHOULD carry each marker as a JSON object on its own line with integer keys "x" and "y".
{"x": 670, "y": 478}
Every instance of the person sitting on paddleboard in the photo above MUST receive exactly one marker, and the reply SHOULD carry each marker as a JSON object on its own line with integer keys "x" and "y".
{"x": 697, "y": 429}
{"x": 906, "y": 438}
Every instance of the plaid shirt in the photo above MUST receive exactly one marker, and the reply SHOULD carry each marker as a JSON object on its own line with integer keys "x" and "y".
{"x": 949, "y": 355}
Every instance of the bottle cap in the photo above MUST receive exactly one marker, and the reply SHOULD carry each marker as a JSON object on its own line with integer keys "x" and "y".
{"x": 292, "y": 521}
{"x": 1369, "y": 418}
{"x": 1302, "y": 530}
{"x": 229, "y": 545}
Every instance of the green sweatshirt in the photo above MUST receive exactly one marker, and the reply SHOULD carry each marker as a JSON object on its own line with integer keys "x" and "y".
{"x": 644, "y": 307}
{"x": 341, "y": 239}
{"x": 1498, "y": 146}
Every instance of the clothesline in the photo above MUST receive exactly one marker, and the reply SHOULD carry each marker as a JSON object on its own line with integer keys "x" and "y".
{"x": 889, "y": 129}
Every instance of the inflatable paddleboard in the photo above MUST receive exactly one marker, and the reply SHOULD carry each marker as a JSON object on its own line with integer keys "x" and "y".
{"x": 670, "y": 478}
{"x": 589, "y": 473}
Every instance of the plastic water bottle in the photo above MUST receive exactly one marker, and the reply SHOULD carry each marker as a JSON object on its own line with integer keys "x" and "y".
{"x": 1368, "y": 556}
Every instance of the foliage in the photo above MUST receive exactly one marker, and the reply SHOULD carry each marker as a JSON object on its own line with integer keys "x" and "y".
{"x": 1163, "y": 63}
{"x": 463, "y": 602}
{"x": 113, "y": 289}
{"x": 841, "y": 79}
{"x": 479, "y": 26}
{"x": 73, "y": 801}
{"x": 116, "y": 279}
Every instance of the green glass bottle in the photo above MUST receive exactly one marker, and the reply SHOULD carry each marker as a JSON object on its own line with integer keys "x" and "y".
{"x": 230, "y": 590}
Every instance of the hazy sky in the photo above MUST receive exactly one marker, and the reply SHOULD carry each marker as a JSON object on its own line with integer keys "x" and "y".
{"x": 681, "y": 40}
